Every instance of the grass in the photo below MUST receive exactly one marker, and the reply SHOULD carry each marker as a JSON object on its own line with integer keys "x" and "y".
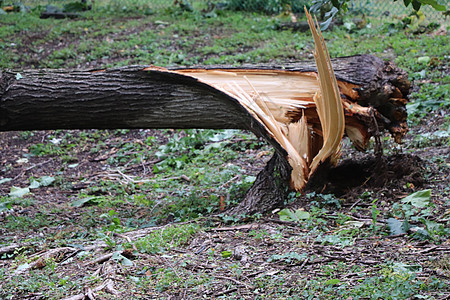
{"x": 110, "y": 183}
{"x": 165, "y": 239}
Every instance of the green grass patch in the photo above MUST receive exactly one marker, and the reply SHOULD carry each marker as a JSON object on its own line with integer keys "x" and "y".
{"x": 167, "y": 238}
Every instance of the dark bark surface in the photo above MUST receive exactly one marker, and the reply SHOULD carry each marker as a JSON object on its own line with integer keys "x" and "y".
{"x": 131, "y": 97}
{"x": 269, "y": 190}
{"x": 118, "y": 98}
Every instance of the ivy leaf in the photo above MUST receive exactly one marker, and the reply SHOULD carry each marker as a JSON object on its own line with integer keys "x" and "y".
{"x": 17, "y": 192}
{"x": 83, "y": 201}
{"x": 4, "y": 180}
{"x": 396, "y": 226}
{"x": 401, "y": 267}
{"x": 434, "y": 4}
{"x": 419, "y": 199}
{"x": 416, "y": 5}
{"x": 23, "y": 267}
{"x": 46, "y": 180}
{"x": 34, "y": 184}
{"x": 293, "y": 216}
{"x": 4, "y": 206}
{"x": 122, "y": 259}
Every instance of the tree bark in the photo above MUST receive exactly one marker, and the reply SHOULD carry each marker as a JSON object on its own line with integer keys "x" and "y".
{"x": 143, "y": 97}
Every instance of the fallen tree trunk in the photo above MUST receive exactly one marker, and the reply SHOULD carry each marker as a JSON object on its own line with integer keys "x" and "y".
{"x": 301, "y": 113}
{"x": 146, "y": 97}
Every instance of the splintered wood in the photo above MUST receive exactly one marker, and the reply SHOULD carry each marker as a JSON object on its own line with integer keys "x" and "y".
{"x": 279, "y": 99}
{"x": 303, "y": 111}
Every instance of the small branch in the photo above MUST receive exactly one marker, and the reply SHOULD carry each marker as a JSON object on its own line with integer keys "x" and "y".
{"x": 225, "y": 292}
{"x": 378, "y": 149}
{"x": 100, "y": 259}
{"x": 235, "y": 281}
{"x": 240, "y": 227}
{"x": 10, "y": 249}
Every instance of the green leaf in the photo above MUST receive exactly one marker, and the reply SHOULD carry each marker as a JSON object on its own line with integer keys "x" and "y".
{"x": 227, "y": 134}
{"x": 423, "y": 59}
{"x": 46, "y": 180}
{"x": 396, "y": 226}
{"x": 249, "y": 179}
{"x": 434, "y": 4}
{"x": 5, "y": 206}
{"x": 122, "y": 259}
{"x": 226, "y": 254}
{"x": 34, "y": 184}
{"x": 335, "y": 240}
{"x": 286, "y": 215}
{"x": 419, "y": 199}
{"x": 406, "y": 2}
{"x": 17, "y": 192}
{"x": 291, "y": 216}
{"x": 43, "y": 181}
{"x": 416, "y": 4}
{"x": 5, "y": 180}
{"x": 302, "y": 215}
{"x": 349, "y": 26}
{"x": 81, "y": 202}
{"x": 405, "y": 268}
{"x": 24, "y": 266}
{"x": 334, "y": 281}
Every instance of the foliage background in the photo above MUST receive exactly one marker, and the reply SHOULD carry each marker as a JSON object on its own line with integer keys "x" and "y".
{"x": 373, "y": 8}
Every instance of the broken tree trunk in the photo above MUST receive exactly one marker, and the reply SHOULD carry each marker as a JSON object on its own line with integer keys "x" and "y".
{"x": 301, "y": 112}
{"x": 146, "y": 97}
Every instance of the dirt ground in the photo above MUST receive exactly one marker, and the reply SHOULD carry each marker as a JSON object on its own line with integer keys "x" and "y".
{"x": 255, "y": 245}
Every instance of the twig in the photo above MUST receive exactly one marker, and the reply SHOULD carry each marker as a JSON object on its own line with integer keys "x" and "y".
{"x": 32, "y": 167}
{"x": 122, "y": 236}
{"x": 90, "y": 294}
{"x": 126, "y": 238}
{"x": 304, "y": 263}
{"x": 240, "y": 227}
{"x": 426, "y": 250}
{"x": 170, "y": 264}
{"x": 143, "y": 164}
{"x": 354, "y": 204}
{"x": 229, "y": 181}
{"x": 10, "y": 248}
{"x": 235, "y": 281}
{"x": 90, "y": 291}
{"x": 131, "y": 179}
{"x": 100, "y": 259}
{"x": 255, "y": 273}
{"x": 281, "y": 222}
{"x": 39, "y": 164}
{"x": 225, "y": 292}
{"x": 378, "y": 148}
